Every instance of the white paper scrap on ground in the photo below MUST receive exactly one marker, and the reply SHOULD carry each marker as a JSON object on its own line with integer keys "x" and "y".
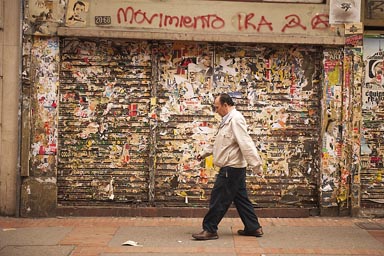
{"x": 131, "y": 243}
{"x": 9, "y": 229}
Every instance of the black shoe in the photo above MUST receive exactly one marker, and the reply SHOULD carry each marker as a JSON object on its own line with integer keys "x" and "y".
{"x": 205, "y": 235}
{"x": 257, "y": 233}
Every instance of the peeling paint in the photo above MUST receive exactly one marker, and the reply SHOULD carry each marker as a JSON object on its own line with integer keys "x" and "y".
{"x": 46, "y": 180}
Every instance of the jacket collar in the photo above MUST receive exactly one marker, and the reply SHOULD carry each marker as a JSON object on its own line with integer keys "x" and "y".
{"x": 227, "y": 117}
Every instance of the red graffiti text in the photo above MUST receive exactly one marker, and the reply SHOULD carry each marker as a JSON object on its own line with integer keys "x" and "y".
{"x": 133, "y": 16}
{"x": 293, "y": 22}
{"x": 242, "y": 21}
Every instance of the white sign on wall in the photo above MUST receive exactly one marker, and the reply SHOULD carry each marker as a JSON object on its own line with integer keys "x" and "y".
{"x": 344, "y": 11}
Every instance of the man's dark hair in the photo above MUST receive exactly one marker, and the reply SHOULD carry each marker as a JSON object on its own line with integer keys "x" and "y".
{"x": 225, "y": 98}
{"x": 78, "y": 3}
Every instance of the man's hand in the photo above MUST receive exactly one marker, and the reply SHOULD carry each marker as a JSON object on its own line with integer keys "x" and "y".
{"x": 259, "y": 173}
{"x": 258, "y": 170}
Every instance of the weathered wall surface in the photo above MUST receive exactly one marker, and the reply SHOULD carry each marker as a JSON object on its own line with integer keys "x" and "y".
{"x": 9, "y": 105}
{"x": 40, "y": 125}
{"x": 340, "y": 188}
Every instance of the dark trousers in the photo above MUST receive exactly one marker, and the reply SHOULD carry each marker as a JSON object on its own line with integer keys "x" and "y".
{"x": 230, "y": 187}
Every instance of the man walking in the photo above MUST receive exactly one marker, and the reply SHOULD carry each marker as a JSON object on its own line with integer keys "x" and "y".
{"x": 233, "y": 149}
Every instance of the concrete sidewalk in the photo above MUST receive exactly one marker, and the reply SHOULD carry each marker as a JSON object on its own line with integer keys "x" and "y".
{"x": 104, "y": 236}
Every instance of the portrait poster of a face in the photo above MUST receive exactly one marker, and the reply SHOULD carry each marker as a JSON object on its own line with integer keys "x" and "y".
{"x": 77, "y": 12}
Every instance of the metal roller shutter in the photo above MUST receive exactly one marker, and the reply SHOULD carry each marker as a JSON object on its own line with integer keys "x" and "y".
{"x": 106, "y": 110}
{"x": 103, "y": 127}
{"x": 277, "y": 88}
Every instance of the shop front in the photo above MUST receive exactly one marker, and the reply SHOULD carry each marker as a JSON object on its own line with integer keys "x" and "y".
{"x": 122, "y": 95}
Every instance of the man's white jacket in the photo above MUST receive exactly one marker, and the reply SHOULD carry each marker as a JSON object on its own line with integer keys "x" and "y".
{"x": 233, "y": 145}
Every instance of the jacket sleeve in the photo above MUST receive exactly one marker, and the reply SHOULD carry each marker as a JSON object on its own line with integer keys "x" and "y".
{"x": 245, "y": 142}
{"x": 207, "y": 151}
